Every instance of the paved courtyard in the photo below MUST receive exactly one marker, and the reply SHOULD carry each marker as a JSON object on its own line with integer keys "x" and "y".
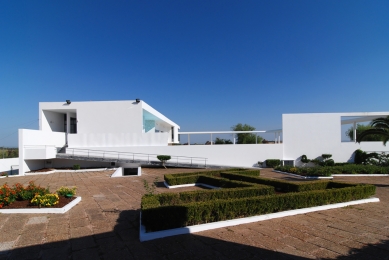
{"x": 105, "y": 225}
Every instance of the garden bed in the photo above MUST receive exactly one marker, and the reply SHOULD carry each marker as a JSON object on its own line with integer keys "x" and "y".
{"x": 26, "y": 204}
{"x": 241, "y": 196}
{"x": 43, "y": 210}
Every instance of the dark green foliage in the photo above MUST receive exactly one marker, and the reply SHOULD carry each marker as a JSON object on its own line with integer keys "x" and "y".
{"x": 165, "y": 199}
{"x": 248, "y": 138}
{"x": 167, "y": 217}
{"x": 360, "y": 129}
{"x": 76, "y": 167}
{"x": 284, "y": 186}
{"x": 192, "y": 177}
{"x": 329, "y": 170}
{"x": 164, "y": 158}
{"x": 272, "y": 163}
{"x": 222, "y": 141}
{"x": 304, "y": 159}
{"x": 380, "y": 127}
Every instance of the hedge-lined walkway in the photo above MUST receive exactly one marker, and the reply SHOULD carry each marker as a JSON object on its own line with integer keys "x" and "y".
{"x": 105, "y": 226}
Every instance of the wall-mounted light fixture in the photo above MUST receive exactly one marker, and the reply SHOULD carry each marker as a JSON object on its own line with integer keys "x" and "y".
{"x": 68, "y": 102}
{"x": 137, "y": 100}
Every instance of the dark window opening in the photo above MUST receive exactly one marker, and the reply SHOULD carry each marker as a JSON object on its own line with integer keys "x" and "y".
{"x": 130, "y": 171}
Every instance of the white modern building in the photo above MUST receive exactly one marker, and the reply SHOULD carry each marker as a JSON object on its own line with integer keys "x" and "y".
{"x": 130, "y": 133}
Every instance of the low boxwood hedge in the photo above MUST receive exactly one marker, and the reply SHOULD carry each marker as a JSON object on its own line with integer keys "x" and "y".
{"x": 271, "y": 163}
{"x": 284, "y": 186}
{"x": 340, "y": 169}
{"x": 156, "y": 217}
{"x": 192, "y": 177}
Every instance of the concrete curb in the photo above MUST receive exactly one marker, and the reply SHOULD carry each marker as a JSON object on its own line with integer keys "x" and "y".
{"x": 43, "y": 210}
{"x": 190, "y": 185}
{"x": 143, "y": 236}
{"x": 54, "y": 171}
{"x": 305, "y": 177}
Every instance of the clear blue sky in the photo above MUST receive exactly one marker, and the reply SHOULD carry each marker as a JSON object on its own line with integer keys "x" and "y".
{"x": 206, "y": 65}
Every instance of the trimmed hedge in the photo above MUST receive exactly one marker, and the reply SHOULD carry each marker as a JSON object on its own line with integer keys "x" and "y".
{"x": 171, "y": 199}
{"x": 271, "y": 163}
{"x": 284, "y": 186}
{"x": 329, "y": 170}
{"x": 167, "y": 217}
{"x": 192, "y": 177}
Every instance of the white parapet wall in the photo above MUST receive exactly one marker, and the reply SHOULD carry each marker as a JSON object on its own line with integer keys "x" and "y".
{"x": 9, "y": 165}
{"x": 35, "y": 146}
{"x": 243, "y": 155}
{"x": 317, "y": 134}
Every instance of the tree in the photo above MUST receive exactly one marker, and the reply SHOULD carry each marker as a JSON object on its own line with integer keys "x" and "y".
{"x": 246, "y": 138}
{"x": 380, "y": 126}
{"x": 222, "y": 141}
{"x": 360, "y": 129}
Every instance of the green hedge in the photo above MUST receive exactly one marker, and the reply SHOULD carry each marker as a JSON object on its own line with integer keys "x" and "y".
{"x": 285, "y": 186}
{"x": 271, "y": 163}
{"x": 172, "y": 199}
{"x": 192, "y": 177}
{"x": 340, "y": 169}
{"x": 167, "y": 217}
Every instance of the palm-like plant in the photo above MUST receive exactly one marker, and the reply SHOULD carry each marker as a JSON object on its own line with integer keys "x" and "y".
{"x": 380, "y": 126}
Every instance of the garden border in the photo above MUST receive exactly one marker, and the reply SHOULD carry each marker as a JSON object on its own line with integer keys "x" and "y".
{"x": 306, "y": 177}
{"x": 143, "y": 236}
{"x": 62, "y": 210}
{"x": 55, "y": 171}
{"x": 190, "y": 185}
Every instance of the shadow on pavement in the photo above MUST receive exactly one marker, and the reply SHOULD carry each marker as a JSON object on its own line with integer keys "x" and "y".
{"x": 123, "y": 243}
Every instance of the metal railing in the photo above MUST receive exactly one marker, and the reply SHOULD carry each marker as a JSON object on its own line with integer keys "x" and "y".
{"x": 128, "y": 156}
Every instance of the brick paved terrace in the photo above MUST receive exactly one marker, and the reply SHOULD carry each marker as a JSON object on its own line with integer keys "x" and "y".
{"x": 105, "y": 225}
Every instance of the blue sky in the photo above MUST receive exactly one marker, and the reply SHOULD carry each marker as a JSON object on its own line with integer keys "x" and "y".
{"x": 207, "y": 65}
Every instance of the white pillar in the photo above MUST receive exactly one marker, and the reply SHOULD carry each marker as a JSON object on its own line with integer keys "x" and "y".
{"x": 188, "y": 139}
{"x": 211, "y": 139}
{"x": 355, "y": 132}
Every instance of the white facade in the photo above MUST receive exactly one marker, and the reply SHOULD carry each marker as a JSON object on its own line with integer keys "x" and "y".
{"x": 135, "y": 127}
{"x": 91, "y": 125}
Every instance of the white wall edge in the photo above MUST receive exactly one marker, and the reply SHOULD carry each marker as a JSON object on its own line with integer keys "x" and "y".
{"x": 54, "y": 171}
{"x": 143, "y": 236}
{"x": 306, "y": 177}
{"x": 359, "y": 175}
{"x": 43, "y": 210}
{"x": 190, "y": 185}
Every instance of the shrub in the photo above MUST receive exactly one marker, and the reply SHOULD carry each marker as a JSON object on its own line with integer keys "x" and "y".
{"x": 30, "y": 191}
{"x": 76, "y": 167}
{"x": 304, "y": 159}
{"x": 272, "y": 163}
{"x": 192, "y": 177}
{"x": 339, "y": 169}
{"x": 163, "y": 159}
{"x": 7, "y": 195}
{"x": 64, "y": 191}
{"x": 46, "y": 200}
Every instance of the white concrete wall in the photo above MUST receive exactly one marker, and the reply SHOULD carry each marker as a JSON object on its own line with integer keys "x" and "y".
{"x": 244, "y": 155}
{"x": 52, "y": 121}
{"x": 5, "y": 164}
{"x": 43, "y": 141}
{"x": 317, "y": 134}
{"x": 100, "y": 116}
{"x": 118, "y": 139}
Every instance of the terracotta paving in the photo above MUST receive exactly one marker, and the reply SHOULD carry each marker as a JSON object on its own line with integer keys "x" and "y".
{"x": 105, "y": 225}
